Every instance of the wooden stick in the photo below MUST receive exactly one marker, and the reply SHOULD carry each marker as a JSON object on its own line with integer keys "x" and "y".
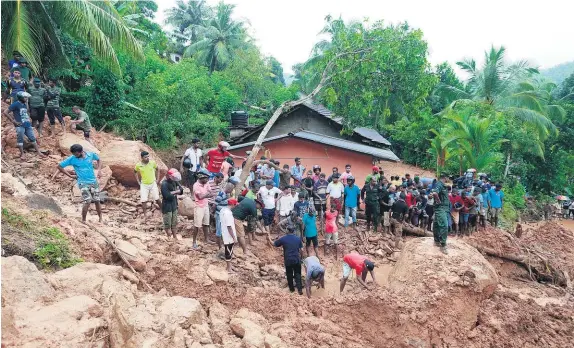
{"x": 121, "y": 255}
{"x": 125, "y": 201}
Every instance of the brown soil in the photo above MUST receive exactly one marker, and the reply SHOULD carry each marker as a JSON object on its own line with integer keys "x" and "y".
{"x": 520, "y": 313}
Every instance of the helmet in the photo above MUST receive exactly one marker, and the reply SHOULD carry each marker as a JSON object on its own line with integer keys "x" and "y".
{"x": 174, "y": 174}
{"x": 187, "y": 163}
{"x": 223, "y": 144}
{"x": 22, "y": 95}
{"x": 350, "y": 178}
{"x": 316, "y": 166}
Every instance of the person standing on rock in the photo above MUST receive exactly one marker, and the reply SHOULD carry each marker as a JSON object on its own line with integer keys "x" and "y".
{"x": 221, "y": 201}
{"x": 229, "y": 232}
{"x": 37, "y": 107}
{"x": 352, "y": 195}
{"x": 147, "y": 176}
{"x": 21, "y": 120}
{"x": 361, "y": 265}
{"x": 191, "y": 164}
{"x": 314, "y": 272}
{"x": 53, "y": 106}
{"x": 201, "y": 192}
{"x": 87, "y": 179}
{"x": 496, "y": 199}
{"x": 309, "y": 221}
{"x": 170, "y": 189}
{"x": 371, "y": 196}
{"x": 292, "y": 251}
{"x": 82, "y": 123}
{"x": 441, "y": 212}
{"x": 215, "y": 157}
{"x": 243, "y": 212}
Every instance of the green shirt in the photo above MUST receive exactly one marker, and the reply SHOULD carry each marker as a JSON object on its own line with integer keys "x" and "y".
{"x": 85, "y": 124}
{"x": 370, "y": 176}
{"x": 442, "y": 192}
{"x": 25, "y": 72}
{"x": 54, "y": 97}
{"x": 372, "y": 194}
{"x": 37, "y": 96}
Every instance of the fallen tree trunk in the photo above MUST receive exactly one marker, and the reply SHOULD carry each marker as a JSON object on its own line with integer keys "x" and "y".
{"x": 538, "y": 267}
{"x": 125, "y": 201}
{"x": 407, "y": 228}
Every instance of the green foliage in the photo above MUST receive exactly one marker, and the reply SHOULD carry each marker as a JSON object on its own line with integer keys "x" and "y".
{"x": 53, "y": 250}
{"x": 559, "y": 73}
{"x": 411, "y": 139}
{"x": 15, "y": 220}
{"x": 105, "y": 99}
{"x": 514, "y": 201}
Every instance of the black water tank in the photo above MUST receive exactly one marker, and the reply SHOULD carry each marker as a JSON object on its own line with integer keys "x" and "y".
{"x": 239, "y": 119}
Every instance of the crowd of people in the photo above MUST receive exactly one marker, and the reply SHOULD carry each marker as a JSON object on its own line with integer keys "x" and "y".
{"x": 31, "y": 100}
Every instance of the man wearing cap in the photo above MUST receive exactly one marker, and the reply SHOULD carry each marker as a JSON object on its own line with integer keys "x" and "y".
{"x": 292, "y": 251}
{"x": 441, "y": 212}
{"x": 53, "y": 105}
{"x": 82, "y": 123}
{"x": 170, "y": 189}
{"x": 201, "y": 192}
{"x": 243, "y": 212}
{"x": 267, "y": 194}
{"x": 21, "y": 120}
{"x": 215, "y": 157}
{"x": 147, "y": 175}
{"x": 361, "y": 265}
{"x": 375, "y": 174}
{"x": 298, "y": 172}
{"x": 314, "y": 272}
{"x": 36, "y": 103}
{"x": 191, "y": 163}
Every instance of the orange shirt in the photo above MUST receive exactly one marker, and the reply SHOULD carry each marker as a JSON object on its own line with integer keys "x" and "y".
{"x": 331, "y": 222}
{"x": 356, "y": 261}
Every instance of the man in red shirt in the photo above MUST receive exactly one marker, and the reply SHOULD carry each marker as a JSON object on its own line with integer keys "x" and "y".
{"x": 456, "y": 206}
{"x": 361, "y": 265}
{"x": 215, "y": 157}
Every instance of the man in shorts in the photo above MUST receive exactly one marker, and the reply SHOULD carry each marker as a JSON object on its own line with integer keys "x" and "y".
{"x": 201, "y": 192}
{"x": 170, "y": 189}
{"x": 267, "y": 195}
{"x": 21, "y": 120}
{"x": 361, "y": 265}
{"x": 82, "y": 123}
{"x": 310, "y": 230}
{"x": 229, "y": 233}
{"x": 314, "y": 272}
{"x": 243, "y": 212}
{"x": 82, "y": 162}
{"x": 147, "y": 176}
{"x": 221, "y": 201}
{"x": 37, "y": 107}
{"x": 331, "y": 229}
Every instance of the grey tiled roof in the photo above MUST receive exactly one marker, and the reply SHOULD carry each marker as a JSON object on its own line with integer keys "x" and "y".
{"x": 340, "y": 143}
{"x": 372, "y": 134}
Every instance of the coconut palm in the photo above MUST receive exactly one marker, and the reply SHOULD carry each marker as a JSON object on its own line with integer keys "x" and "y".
{"x": 220, "y": 36}
{"x": 440, "y": 148}
{"x": 499, "y": 84}
{"x": 188, "y": 17}
{"x": 32, "y": 28}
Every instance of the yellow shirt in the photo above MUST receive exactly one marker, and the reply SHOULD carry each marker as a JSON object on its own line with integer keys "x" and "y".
{"x": 147, "y": 171}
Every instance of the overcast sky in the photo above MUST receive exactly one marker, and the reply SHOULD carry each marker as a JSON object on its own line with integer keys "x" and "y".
{"x": 540, "y": 31}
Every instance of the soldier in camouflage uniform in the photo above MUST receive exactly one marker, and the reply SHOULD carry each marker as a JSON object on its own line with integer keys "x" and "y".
{"x": 441, "y": 204}
{"x": 36, "y": 103}
{"x": 53, "y": 106}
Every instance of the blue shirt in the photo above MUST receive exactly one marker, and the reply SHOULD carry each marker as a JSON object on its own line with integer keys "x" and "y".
{"x": 301, "y": 208}
{"x": 351, "y": 196}
{"x": 20, "y": 112}
{"x": 495, "y": 198}
{"x": 310, "y": 223}
{"x": 485, "y": 199}
{"x": 83, "y": 167}
{"x": 276, "y": 178}
{"x": 291, "y": 245}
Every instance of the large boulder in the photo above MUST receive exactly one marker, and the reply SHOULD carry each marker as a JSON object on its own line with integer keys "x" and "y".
{"x": 68, "y": 139}
{"x": 85, "y": 278}
{"x": 451, "y": 285}
{"x": 123, "y": 155}
{"x": 22, "y": 282}
{"x": 136, "y": 257}
{"x": 186, "y": 207}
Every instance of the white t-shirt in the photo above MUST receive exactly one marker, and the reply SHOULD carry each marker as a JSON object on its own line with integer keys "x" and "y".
{"x": 335, "y": 190}
{"x": 286, "y": 205}
{"x": 226, "y": 220}
{"x": 268, "y": 196}
{"x": 194, "y": 156}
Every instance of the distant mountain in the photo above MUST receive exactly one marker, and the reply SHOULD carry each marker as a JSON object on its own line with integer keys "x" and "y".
{"x": 559, "y": 72}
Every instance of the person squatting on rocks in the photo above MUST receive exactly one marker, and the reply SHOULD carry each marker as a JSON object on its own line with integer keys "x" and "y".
{"x": 242, "y": 213}
{"x": 82, "y": 123}
{"x": 21, "y": 120}
{"x": 147, "y": 175}
{"x": 361, "y": 265}
{"x": 314, "y": 272}
{"x": 87, "y": 179}
{"x": 292, "y": 251}
{"x": 170, "y": 189}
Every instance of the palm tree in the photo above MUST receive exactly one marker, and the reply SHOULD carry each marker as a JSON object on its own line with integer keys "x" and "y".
{"x": 32, "y": 28}
{"x": 220, "y": 37}
{"x": 188, "y": 17}
{"x": 440, "y": 148}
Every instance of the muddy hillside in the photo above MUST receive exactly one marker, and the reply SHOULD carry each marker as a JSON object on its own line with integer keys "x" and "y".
{"x": 65, "y": 285}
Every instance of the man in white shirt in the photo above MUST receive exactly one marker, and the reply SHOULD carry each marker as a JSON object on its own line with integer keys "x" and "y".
{"x": 267, "y": 195}
{"x": 191, "y": 161}
{"x": 228, "y": 232}
{"x": 335, "y": 191}
{"x": 285, "y": 203}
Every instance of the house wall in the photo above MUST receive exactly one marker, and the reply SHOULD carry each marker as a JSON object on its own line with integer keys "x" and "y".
{"x": 311, "y": 153}
{"x": 301, "y": 119}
